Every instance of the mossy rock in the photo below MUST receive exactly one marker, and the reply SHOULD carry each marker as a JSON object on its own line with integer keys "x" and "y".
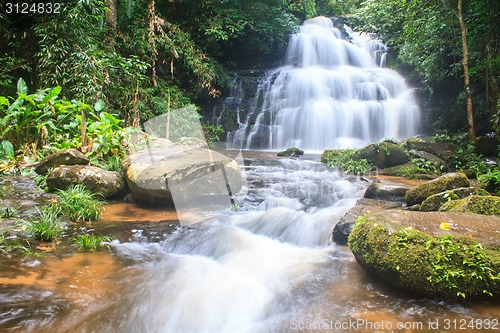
{"x": 383, "y": 155}
{"x": 450, "y": 181}
{"x": 385, "y": 192}
{"x": 62, "y": 157}
{"x": 291, "y": 152}
{"x": 445, "y": 151}
{"x": 400, "y": 170}
{"x": 328, "y": 154}
{"x": 476, "y": 204}
{"x": 445, "y": 266}
{"x": 97, "y": 180}
{"x": 435, "y": 201}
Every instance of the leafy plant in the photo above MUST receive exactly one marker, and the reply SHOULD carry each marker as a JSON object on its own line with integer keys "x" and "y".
{"x": 9, "y": 212}
{"x": 10, "y": 244}
{"x": 426, "y": 166}
{"x": 79, "y": 203}
{"x": 346, "y": 161}
{"x": 212, "y": 133}
{"x": 411, "y": 173}
{"x": 491, "y": 180}
{"x": 457, "y": 262}
{"x": 46, "y": 227}
{"x": 91, "y": 243}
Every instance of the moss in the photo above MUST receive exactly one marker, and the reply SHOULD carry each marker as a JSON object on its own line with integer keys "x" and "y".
{"x": 450, "y": 181}
{"x": 435, "y": 201}
{"x": 291, "y": 152}
{"x": 384, "y": 154}
{"x": 476, "y": 204}
{"x": 328, "y": 154}
{"x": 417, "y": 262}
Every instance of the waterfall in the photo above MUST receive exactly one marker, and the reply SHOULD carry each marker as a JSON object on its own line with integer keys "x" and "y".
{"x": 332, "y": 92}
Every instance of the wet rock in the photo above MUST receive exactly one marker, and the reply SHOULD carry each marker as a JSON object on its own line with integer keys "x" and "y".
{"x": 445, "y": 151}
{"x": 161, "y": 175}
{"x": 385, "y": 192}
{"x": 487, "y": 145}
{"x": 450, "y": 181}
{"x": 107, "y": 183}
{"x": 414, "y": 208}
{"x": 383, "y": 155}
{"x": 410, "y": 250}
{"x": 328, "y": 154}
{"x": 477, "y": 204}
{"x": 435, "y": 201}
{"x": 63, "y": 157}
{"x": 291, "y": 152}
{"x": 400, "y": 170}
{"x": 363, "y": 207}
{"x": 436, "y": 161}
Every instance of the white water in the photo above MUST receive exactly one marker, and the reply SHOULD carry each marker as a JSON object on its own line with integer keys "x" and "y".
{"x": 331, "y": 93}
{"x": 240, "y": 271}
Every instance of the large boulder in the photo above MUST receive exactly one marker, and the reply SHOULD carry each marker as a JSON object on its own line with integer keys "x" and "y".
{"x": 477, "y": 204}
{"x": 180, "y": 174}
{"x": 385, "y": 192}
{"x": 436, "y": 161}
{"x": 383, "y": 155}
{"x": 63, "y": 157}
{"x": 419, "y": 193}
{"x": 434, "y": 254}
{"x": 106, "y": 183}
{"x": 362, "y": 208}
{"x": 445, "y": 151}
{"x": 487, "y": 145}
{"x": 435, "y": 201}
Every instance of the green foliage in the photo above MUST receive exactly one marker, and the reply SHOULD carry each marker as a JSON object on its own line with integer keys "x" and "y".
{"x": 428, "y": 167}
{"x": 456, "y": 262}
{"x": 10, "y": 244}
{"x": 46, "y": 227}
{"x": 91, "y": 243}
{"x": 78, "y": 203}
{"x": 491, "y": 180}
{"x": 345, "y": 160}
{"x": 426, "y": 35}
{"x": 9, "y": 212}
{"x": 466, "y": 159}
{"x": 212, "y": 133}
{"x": 411, "y": 173}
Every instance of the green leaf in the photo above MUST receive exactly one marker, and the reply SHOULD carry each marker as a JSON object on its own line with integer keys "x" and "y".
{"x": 4, "y": 101}
{"x": 22, "y": 88}
{"x": 8, "y": 148}
{"x": 99, "y": 105}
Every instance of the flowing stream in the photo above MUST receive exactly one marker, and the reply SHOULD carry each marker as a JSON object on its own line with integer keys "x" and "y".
{"x": 332, "y": 92}
{"x": 269, "y": 266}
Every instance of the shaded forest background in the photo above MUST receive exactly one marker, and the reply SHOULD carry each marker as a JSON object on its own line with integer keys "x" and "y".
{"x": 136, "y": 59}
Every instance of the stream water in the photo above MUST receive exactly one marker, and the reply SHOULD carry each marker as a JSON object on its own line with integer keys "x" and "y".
{"x": 268, "y": 266}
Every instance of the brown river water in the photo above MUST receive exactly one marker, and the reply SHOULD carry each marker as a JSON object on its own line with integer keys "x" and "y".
{"x": 268, "y": 266}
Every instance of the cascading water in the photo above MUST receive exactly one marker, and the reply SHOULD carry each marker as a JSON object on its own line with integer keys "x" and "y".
{"x": 331, "y": 93}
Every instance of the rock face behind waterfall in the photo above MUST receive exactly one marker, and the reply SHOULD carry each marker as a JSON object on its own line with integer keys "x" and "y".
{"x": 165, "y": 175}
{"x": 332, "y": 92}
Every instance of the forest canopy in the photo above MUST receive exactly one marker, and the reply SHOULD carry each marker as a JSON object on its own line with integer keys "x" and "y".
{"x": 137, "y": 56}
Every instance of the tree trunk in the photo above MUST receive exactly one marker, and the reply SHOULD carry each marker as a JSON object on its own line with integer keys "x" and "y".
{"x": 465, "y": 62}
{"x": 111, "y": 24}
